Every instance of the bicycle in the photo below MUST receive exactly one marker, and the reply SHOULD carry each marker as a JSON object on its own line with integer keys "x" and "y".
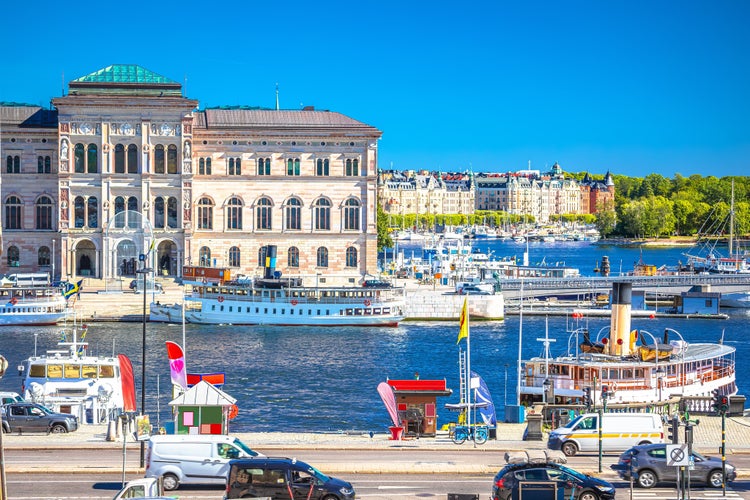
{"x": 476, "y": 433}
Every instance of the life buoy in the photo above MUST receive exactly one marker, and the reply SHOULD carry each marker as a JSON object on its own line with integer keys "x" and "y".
{"x": 294, "y": 302}
{"x": 367, "y": 302}
{"x": 220, "y": 298}
{"x": 233, "y": 411}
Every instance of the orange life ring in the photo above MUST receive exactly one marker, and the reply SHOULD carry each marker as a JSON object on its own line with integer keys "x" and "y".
{"x": 367, "y": 302}
{"x": 220, "y": 298}
{"x": 294, "y": 302}
{"x": 233, "y": 411}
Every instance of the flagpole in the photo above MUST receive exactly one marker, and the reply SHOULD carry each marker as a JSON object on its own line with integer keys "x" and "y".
{"x": 520, "y": 339}
{"x": 468, "y": 370}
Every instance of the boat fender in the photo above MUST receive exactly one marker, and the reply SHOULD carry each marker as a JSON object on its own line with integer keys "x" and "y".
{"x": 294, "y": 302}
{"x": 367, "y": 302}
{"x": 220, "y": 298}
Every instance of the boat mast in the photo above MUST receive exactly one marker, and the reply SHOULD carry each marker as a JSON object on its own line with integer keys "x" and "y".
{"x": 731, "y": 222}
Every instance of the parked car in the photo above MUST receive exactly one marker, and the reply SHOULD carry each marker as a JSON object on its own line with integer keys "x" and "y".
{"x": 145, "y": 487}
{"x": 151, "y": 286}
{"x": 283, "y": 478}
{"x": 10, "y": 397}
{"x": 547, "y": 478}
{"x": 33, "y": 417}
{"x": 648, "y": 464}
{"x": 402, "y": 273}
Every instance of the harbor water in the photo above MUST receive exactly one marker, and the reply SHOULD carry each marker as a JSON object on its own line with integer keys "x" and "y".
{"x": 325, "y": 379}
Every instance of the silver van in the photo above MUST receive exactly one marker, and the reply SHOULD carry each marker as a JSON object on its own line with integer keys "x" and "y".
{"x": 193, "y": 459}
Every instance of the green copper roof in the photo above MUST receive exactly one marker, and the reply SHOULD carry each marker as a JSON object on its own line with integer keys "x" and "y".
{"x": 124, "y": 73}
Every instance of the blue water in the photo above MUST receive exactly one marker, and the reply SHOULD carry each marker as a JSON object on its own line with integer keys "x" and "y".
{"x": 325, "y": 379}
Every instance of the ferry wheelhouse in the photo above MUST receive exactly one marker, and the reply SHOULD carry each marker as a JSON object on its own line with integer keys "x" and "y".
{"x": 628, "y": 372}
{"x": 68, "y": 380}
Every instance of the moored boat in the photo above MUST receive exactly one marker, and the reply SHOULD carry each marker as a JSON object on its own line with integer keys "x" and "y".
{"x": 29, "y": 302}
{"x": 69, "y": 380}
{"x": 273, "y": 300}
{"x": 629, "y": 374}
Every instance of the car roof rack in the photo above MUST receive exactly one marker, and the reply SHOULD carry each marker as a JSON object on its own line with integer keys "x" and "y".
{"x": 535, "y": 457}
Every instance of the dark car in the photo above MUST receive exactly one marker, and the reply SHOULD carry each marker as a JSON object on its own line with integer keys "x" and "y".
{"x": 548, "y": 478}
{"x": 376, "y": 284}
{"x": 283, "y": 477}
{"x": 32, "y": 417}
{"x": 648, "y": 465}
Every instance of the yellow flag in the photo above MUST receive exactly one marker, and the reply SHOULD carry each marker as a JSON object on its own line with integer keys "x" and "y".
{"x": 151, "y": 247}
{"x": 463, "y": 330}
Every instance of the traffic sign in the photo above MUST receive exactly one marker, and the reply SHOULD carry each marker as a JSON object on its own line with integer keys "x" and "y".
{"x": 677, "y": 455}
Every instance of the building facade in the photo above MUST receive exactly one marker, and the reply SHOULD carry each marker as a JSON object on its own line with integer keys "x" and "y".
{"x": 526, "y": 192}
{"x": 124, "y": 165}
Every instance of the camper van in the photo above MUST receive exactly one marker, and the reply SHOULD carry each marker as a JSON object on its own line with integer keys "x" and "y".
{"x": 193, "y": 459}
{"x": 620, "y": 431}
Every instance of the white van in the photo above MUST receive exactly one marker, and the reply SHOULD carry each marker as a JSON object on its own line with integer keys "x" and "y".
{"x": 620, "y": 431}
{"x": 193, "y": 459}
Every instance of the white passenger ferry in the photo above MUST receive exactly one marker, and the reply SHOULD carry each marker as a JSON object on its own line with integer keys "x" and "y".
{"x": 628, "y": 372}
{"x": 30, "y": 300}
{"x": 68, "y": 380}
{"x": 216, "y": 299}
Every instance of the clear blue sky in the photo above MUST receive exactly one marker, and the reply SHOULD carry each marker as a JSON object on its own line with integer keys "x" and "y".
{"x": 629, "y": 86}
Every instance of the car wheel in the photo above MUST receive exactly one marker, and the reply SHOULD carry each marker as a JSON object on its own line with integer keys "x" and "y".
{"x": 58, "y": 429}
{"x": 330, "y": 497}
{"x": 646, "y": 478}
{"x": 170, "y": 482}
{"x": 569, "y": 449}
{"x": 588, "y": 495}
{"x": 715, "y": 479}
{"x": 644, "y": 442}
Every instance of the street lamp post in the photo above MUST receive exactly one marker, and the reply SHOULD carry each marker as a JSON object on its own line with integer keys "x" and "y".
{"x": 145, "y": 271}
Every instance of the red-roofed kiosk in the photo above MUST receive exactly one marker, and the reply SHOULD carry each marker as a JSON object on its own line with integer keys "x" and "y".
{"x": 416, "y": 402}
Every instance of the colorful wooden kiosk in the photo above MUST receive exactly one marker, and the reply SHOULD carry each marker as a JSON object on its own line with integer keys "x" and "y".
{"x": 416, "y": 402}
{"x": 203, "y": 409}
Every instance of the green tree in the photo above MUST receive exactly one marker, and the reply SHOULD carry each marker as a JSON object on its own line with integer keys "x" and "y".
{"x": 606, "y": 218}
{"x": 384, "y": 235}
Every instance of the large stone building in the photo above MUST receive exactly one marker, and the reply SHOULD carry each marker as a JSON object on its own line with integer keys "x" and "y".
{"x": 125, "y": 150}
{"x": 526, "y": 192}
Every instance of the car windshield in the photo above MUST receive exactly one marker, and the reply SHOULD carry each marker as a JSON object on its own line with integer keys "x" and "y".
{"x": 318, "y": 475}
{"x": 573, "y": 422}
{"x": 572, "y": 472}
{"x": 239, "y": 444}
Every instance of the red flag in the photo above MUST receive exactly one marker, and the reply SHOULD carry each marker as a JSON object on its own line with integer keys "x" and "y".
{"x": 128, "y": 383}
{"x": 177, "y": 368}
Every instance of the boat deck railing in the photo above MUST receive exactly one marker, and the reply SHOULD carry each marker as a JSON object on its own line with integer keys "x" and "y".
{"x": 600, "y": 282}
{"x": 351, "y": 295}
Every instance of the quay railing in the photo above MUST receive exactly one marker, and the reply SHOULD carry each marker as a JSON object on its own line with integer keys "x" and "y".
{"x": 594, "y": 283}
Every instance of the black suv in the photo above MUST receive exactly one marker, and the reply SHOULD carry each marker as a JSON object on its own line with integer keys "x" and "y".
{"x": 545, "y": 478}
{"x": 30, "y": 417}
{"x": 648, "y": 465}
{"x": 283, "y": 477}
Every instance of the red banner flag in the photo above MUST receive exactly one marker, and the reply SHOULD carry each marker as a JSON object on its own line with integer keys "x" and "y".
{"x": 128, "y": 383}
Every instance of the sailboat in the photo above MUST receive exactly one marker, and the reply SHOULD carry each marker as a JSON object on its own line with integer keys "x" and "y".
{"x": 713, "y": 262}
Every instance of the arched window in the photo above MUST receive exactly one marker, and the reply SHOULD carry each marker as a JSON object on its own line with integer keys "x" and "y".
{"x": 262, "y": 256}
{"x": 292, "y": 166}
{"x": 159, "y": 159}
{"x": 263, "y": 214}
{"x": 172, "y": 159}
{"x": 42, "y": 256}
{"x": 133, "y": 207}
{"x": 13, "y": 256}
{"x": 132, "y": 159}
{"x": 234, "y": 213}
{"x": 351, "y": 257}
{"x": 172, "y": 212}
{"x": 92, "y": 159}
{"x": 80, "y": 158}
{"x": 234, "y": 257}
{"x": 13, "y": 212}
{"x": 13, "y": 164}
{"x": 204, "y": 256}
{"x": 119, "y": 159}
{"x": 92, "y": 210}
{"x": 293, "y": 214}
{"x": 351, "y": 214}
{"x": 264, "y": 166}
{"x": 292, "y": 257}
{"x": 44, "y": 212}
{"x": 159, "y": 215}
{"x": 352, "y": 167}
{"x": 322, "y": 257}
{"x": 322, "y": 214}
{"x": 323, "y": 167}
{"x": 119, "y": 208}
{"x": 235, "y": 166}
{"x": 205, "y": 213}
{"x": 204, "y": 166}
{"x": 79, "y": 212}
{"x": 43, "y": 165}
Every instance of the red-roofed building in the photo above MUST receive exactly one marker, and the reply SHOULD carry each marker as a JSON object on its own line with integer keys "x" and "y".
{"x": 416, "y": 402}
